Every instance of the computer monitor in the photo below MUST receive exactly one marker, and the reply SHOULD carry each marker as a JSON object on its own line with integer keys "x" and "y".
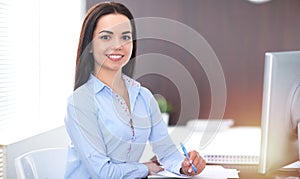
{"x": 280, "y": 111}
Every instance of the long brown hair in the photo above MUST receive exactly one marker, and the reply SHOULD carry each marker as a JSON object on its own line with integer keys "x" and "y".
{"x": 85, "y": 59}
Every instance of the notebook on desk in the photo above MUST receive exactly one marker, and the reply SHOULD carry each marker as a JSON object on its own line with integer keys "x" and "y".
{"x": 210, "y": 171}
{"x": 237, "y": 145}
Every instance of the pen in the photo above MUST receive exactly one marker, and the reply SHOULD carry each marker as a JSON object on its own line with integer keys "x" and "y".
{"x": 187, "y": 156}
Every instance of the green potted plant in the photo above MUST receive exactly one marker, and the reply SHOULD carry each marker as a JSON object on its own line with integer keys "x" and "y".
{"x": 164, "y": 106}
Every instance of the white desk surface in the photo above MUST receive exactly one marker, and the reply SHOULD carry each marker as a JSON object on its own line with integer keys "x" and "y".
{"x": 191, "y": 138}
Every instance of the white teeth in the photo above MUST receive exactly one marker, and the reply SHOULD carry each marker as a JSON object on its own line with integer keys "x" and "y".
{"x": 115, "y": 56}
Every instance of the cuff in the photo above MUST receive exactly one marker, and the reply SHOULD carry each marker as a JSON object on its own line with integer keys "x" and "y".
{"x": 143, "y": 169}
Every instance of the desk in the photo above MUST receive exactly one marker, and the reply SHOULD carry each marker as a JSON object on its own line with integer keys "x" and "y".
{"x": 250, "y": 172}
{"x": 182, "y": 133}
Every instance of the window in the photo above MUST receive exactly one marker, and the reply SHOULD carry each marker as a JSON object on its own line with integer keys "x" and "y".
{"x": 38, "y": 41}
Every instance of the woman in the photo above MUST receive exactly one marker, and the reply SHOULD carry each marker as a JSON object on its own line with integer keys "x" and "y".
{"x": 110, "y": 117}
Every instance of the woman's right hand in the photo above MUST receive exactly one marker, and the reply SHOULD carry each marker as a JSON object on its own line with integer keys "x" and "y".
{"x": 153, "y": 167}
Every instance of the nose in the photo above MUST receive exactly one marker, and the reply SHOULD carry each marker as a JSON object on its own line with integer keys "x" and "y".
{"x": 116, "y": 45}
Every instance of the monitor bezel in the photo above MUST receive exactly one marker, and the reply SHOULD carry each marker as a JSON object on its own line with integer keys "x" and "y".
{"x": 279, "y": 142}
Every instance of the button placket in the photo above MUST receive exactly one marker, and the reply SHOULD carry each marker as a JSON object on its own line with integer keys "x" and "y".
{"x": 124, "y": 106}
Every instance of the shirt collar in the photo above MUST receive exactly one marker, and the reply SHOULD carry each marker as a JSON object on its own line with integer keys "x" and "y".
{"x": 95, "y": 84}
{"x": 98, "y": 85}
{"x": 130, "y": 83}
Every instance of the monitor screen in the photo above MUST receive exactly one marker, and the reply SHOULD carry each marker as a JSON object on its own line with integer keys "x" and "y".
{"x": 280, "y": 110}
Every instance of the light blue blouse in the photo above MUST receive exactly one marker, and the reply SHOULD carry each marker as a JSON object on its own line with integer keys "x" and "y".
{"x": 103, "y": 142}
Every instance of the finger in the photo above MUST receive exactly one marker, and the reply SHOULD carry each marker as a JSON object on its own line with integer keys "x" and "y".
{"x": 198, "y": 162}
{"x": 187, "y": 171}
{"x": 201, "y": 165}
{"x": 194, "y": 158}
{"x": 186, "y": 167}
{"x": 191, "y": 171}
{"x": 160, "y": 169}
{"x": 155, "y": 168}
{"x": 185, "y": 163}
{"x": 193, "y": 155}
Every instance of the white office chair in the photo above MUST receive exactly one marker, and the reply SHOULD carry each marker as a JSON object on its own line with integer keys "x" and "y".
{"x": 46, "y": 163}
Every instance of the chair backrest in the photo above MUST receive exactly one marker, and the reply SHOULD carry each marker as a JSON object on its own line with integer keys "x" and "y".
{"x": 46, "y": 163}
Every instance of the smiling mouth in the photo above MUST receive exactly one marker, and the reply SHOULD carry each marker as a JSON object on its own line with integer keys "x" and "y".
{"x": 115, "y": 57}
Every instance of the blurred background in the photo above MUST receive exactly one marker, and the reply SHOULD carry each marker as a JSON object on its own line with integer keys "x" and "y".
{"x": 239, "y": 32}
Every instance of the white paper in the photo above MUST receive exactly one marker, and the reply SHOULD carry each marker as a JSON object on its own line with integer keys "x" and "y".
{"x": 210, "y": 172}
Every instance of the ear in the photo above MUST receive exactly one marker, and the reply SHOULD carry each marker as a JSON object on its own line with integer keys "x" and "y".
{"x": 90, "y": 47}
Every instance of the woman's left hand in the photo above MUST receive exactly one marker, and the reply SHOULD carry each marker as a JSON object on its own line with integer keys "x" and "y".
{"x": 197, "y": 160}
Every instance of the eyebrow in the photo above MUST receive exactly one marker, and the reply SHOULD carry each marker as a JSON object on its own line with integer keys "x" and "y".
{"x": 106, "y": 31}
{"x": 126, "y": 32}
{"x": 110, "y": 32}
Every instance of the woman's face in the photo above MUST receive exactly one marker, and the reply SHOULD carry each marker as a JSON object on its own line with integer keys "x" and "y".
{"x": 112, "y": 43}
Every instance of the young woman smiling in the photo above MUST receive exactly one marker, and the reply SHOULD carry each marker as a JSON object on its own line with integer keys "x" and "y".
{"x": 110, "y": 117}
